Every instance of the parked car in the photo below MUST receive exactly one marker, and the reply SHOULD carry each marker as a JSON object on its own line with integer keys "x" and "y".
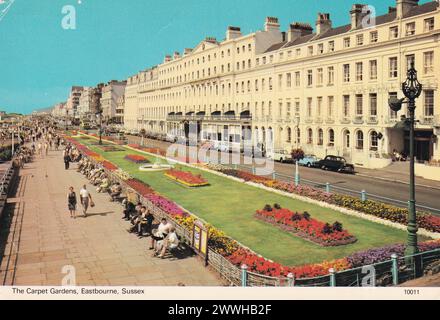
{"x": 223, "y": 146}
{"x": 336, "y": 163}
{"x": 280, "y": 155}
{"x": 310, "y": 161}
{"x": 171, "y": 138}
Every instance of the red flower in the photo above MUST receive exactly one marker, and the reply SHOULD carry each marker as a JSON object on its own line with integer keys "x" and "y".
{"x": 136, "y": 158}
{"x": 109, "y": 166}
{"x": 142, "y": 188}
{"x": 309, "y": 228}
{"x": 186, "y": 177}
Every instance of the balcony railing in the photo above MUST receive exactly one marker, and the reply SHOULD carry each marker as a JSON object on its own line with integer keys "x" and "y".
{"x": 372, "y": 120}
{"x": 223, "y": 118}
{"x": 427, "y": 120}
{"x": 358, "y": 120}
{"x": 392, "y": 120}
{"x": 345, "y": 120}
{"x": 330, "y": 121}
{"x": 318, "y": 120}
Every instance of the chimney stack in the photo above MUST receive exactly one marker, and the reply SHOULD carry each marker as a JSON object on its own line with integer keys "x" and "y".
{"x": 271, "y": 24}
{"x": 404, "y": 7}
{"x": 187, "y": 51}
{"x": 167, "y": 59}
{"x": 297, "y": 30}
{"x": 323, "y": 23}
{"x": 358, "y": 12}
{"x": 176, "y": 55}
{"x": 233, "y": 32}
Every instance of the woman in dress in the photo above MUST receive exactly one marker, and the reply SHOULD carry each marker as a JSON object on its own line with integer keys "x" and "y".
{"x": 71, "y": 202}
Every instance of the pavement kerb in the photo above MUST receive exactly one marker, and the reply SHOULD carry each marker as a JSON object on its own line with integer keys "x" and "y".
{"x": 396, "y": 181}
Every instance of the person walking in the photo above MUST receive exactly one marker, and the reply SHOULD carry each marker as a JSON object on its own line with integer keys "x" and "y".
{"x": 71, "y": 202}
{"x": 86, "y": 199}
{"x": 39, "y": 148}
{"x": 66, "y": 160}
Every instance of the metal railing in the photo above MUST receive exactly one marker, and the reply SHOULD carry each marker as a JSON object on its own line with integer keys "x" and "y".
{"x": 341, "y": 190}
{"x": 391, "y": 272}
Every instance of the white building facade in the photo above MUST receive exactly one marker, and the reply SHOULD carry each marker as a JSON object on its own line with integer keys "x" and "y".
{"x": 85, "y": 101}
{"x": 325, "y": 91}
{"x": 73, "y": 101}
{"x": 111, "y": 92}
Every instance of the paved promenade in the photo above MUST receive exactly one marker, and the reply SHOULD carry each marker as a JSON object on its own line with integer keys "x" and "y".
{"x": 40, "y": 238}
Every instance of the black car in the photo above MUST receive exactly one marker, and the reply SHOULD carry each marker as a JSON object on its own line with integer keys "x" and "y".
{"x": 335, "y": 163}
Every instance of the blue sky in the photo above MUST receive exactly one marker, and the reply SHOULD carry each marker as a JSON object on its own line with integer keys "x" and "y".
{"x": 114, "y": 39}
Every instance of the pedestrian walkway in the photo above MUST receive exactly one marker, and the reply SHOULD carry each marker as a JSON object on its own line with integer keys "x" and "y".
{"x": 40, "y": 238}
{"x": 396, "y": 172}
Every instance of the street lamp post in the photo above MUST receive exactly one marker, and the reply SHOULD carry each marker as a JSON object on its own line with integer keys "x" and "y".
{"x": 100, "y": 128}
{"x": 297, "y": 177}
{"x": 411, "y": 89}
{"x": 67, "y": 119}
{"x": 99, "y": 113}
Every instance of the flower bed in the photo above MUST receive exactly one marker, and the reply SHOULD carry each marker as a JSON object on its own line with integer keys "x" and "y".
{"x": 258, "y": 264}
{"x": 149, "y": 150}
{"x": 109, "y": 166}
{"x": 263, "y": 266}
{"x": 142, "y": 188}
{"x": 377, "y": 255}
{"x": 136, "y": 158}
{"x": 380, "y": 210}
{"x": 110, "y": 149}
{"x": 147, "y": 192}
{"x": 186, "y": 178}
{"x": 304, "y": 226}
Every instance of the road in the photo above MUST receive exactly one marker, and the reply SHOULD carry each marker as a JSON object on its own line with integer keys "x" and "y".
{"x": 377, "y": 183}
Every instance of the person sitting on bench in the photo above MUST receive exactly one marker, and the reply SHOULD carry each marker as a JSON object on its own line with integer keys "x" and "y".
{"x": 115, "y": 191}
{"x": 129, "y": 208}
{"x": 105, "y": 184}
{"x": 146, "y": 223}
{"x": 161, "y": 233}
{"x": 170, "y": 242}
{"x": 137, "y": 227}
{"x": 136, "y": 218}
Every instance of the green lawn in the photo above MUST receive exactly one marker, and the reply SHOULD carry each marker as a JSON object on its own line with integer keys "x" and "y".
{"x": 230, "y": 206}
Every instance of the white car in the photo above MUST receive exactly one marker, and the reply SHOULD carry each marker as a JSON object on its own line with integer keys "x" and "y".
{"x": 171, "y": 138}
{"x": 223, "y": 146}
{"x": 280, "y": 155}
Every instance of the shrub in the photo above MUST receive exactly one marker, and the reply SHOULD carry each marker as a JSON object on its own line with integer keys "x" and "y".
{"x": 337, "y": 226}
{"x": 306, "y": 215}
{"x": 327, "y": 229}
